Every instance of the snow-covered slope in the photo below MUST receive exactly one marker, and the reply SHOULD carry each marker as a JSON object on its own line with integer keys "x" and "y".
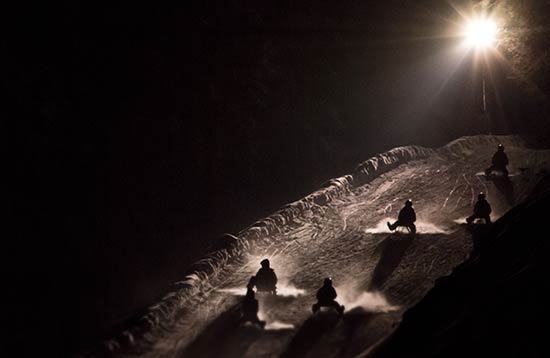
{"x": 495, "y": 304}
{"x": 337, "y": 231}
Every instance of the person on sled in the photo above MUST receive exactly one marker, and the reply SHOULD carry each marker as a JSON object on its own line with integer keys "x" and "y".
{"x": 326, "y": 297}
{"x": 265, "y": 279}
{"x": 250, "y": 308}
{"x": 482, "y": 210}
{"x": 406, "y": 218}
{"x": 498, "y": 162}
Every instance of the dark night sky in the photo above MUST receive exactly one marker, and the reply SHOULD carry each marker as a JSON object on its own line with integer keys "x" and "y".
{"x": 144, "y": 133}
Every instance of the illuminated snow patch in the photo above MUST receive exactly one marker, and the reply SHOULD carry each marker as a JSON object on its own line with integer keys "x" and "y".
{"x": 497, "y": 174}
{"x": 421, "y": 228}
{"x": 290, "y": 291}
{"x": 235, "y": 291}
{"x": 460, "y": 221}
{"x": 380, "y": 228}
{"x": 428, "y": 228}
{"x": 369, "y": 301}
{"x": 277, "y": 326}
{"x": 273, "y": 325}
{"x": 283, "y": 291}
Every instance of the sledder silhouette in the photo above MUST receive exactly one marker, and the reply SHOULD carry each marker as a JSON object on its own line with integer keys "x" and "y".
{"x": 326, "y": 297}
{"x": 482, "y": 210}
{"x": 499, "y": 161}
{"x": 250, "y": 308}
{"x": 406, "y": 218}
{"x": 265, "y": 279}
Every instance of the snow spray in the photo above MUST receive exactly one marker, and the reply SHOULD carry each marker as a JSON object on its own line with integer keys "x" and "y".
{"x": 370, "y": 301}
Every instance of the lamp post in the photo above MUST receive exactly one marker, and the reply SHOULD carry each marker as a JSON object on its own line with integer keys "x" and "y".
{"x": 485, "y": 113}
{"x": 480, "y": 34}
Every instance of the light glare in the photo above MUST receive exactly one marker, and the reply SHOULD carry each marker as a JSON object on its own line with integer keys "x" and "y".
{"x": 480, "y": 33}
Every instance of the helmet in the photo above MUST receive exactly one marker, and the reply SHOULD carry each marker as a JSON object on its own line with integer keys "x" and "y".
{"x": 408, "y": 202}
{"x": 481, "y": 196}
{"x": 500, "y": 147}
{"x": 328, "y": 281}
{"x": 265, "y": 263}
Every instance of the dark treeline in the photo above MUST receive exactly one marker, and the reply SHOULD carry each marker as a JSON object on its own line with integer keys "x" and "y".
{"x": 143, "y": 133}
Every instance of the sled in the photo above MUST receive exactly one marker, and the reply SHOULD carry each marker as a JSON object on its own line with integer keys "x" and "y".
{"x": 330, "y": 309}
{"x": 266, "y": 292}
{"x": 401, "y": 231}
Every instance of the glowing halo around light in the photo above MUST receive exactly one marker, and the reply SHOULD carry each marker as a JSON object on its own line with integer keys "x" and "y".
{"x": 480, "y": 33}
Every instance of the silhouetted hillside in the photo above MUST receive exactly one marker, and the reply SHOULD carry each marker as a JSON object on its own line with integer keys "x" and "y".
{"x": 494, "y": 304}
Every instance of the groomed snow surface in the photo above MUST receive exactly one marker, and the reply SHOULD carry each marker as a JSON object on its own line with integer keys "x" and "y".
{"x": 338, "y": 231}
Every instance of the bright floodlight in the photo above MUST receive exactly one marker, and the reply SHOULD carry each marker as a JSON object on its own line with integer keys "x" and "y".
{"x": 480, "y": 33}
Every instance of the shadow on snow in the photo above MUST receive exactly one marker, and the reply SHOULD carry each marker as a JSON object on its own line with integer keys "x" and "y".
{"x": 226, "y": 337}
{"x": 505, "y": 187}
{"x": 393, "y": 249}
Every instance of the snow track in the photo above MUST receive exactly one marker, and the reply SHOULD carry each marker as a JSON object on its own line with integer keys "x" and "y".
{"x": 336, "y": 231}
